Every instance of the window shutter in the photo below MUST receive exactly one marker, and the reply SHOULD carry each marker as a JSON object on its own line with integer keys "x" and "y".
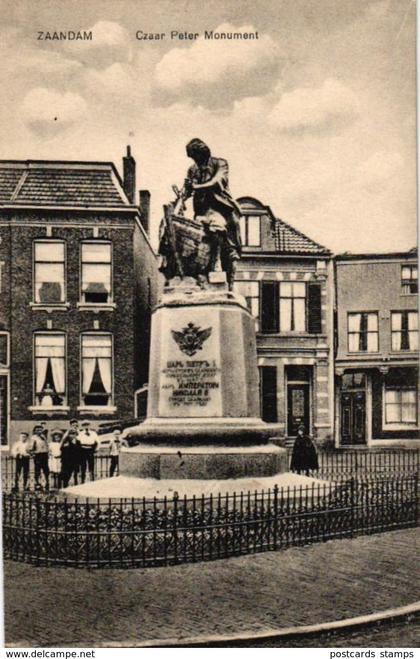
{"x": 269, "y": 306}
{"x": 268, "y": 375}
{"x": 314, "y": 309}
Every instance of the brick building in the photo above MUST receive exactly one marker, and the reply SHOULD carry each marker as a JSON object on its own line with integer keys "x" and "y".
{"x": 78, "y": 279}
{"x": 377, "y": 358}
{"x": 287, "y": 280}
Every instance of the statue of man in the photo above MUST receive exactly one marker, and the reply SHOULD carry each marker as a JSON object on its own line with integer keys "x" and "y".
{"x": 207, "y": 183}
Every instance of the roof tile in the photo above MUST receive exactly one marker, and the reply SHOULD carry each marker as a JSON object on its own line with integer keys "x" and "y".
{"x": 66, "y": 186}
{"x": 288, "y": 239}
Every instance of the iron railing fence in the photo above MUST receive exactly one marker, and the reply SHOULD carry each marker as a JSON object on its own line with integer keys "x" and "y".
{"x": 144, "y": 533}
{"x": 342, "y": 465}
{"x": 333, "y": 465}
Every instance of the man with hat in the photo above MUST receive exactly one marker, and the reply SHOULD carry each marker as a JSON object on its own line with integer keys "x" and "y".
{"x": 20, "y": 451}
{"x": 70, "y": 453}
{"x": 39, "y": 449}
{"x": 304, "y": 457}
{"x": 88, "y": 444}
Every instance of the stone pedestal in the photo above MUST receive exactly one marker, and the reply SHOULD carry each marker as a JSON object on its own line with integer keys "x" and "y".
{"x": 203, "y": 382}
{"x": 203, "y": 462}
{"x": 203, "y": 391}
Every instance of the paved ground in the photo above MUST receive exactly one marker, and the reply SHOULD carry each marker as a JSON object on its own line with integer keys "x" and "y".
{"x": 302, "y": 585}
{"x": 397, "y": 634}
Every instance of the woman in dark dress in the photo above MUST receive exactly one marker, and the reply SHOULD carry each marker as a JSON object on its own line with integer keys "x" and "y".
{"x": 304, "y": 457}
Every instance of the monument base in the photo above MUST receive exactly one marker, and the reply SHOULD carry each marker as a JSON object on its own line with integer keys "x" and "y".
{"x": 226, "y": 431}
{"x": 203, "y": 462}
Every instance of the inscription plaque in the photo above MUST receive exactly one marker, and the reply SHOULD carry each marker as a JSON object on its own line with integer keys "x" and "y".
{"x": 190, "y": 376}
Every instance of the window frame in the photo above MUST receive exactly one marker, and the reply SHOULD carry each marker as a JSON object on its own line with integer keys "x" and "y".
{"x": 245, "y": 217}
{"x": 412, "y": 280}
{"x": 6, "y": 365}
{"x": 35, "y": 405}
{"x": 398, "y": 425}
{"x": 49, "y": 241}
{"x": 110, "y": 302}
{"x": 110, "y": 407}
{"x": 252, "y": 297}
{"x": 305, "y": 298}
{"x": 363, "y": 352}
{"x": 393, "y": 332}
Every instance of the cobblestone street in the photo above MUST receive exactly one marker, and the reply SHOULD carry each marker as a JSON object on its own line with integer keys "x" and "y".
{"x": 303, "y": 585}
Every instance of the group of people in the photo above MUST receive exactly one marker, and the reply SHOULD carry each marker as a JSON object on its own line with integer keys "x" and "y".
{"x": 67, "y": 455}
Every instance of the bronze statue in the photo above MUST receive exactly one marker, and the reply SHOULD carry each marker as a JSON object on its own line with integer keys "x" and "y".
{"x": 194, "y": 247}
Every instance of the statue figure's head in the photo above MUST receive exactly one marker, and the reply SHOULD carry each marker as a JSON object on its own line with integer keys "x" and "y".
{"x": 198, "y": 151}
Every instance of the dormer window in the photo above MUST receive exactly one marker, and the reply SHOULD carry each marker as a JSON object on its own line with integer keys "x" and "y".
{"x": 250, "y": 226}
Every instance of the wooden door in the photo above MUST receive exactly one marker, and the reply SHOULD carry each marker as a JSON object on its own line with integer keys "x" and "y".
{"x": 297, "y": 408}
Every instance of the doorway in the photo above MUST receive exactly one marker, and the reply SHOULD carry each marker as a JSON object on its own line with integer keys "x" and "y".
{"x": 353, "y": 409}
{"x": 298, "y": 399}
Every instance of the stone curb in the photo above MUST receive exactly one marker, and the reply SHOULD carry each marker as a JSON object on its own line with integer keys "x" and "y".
{"x": 285, "y": 633}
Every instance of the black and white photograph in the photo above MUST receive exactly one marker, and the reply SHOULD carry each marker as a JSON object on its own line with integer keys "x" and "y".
{"x": 209, "y": 411}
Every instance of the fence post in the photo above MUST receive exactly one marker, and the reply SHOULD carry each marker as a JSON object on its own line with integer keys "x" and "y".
{"x": 175, "y": 524}
{"x": 352, "y": 506}
{"x": 37, "y": 531}
{"x": 276, "y": 512}
{"x": 416, "y": 497}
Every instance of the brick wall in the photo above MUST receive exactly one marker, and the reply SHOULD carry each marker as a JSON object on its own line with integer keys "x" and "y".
{"x": 121, "y": 322}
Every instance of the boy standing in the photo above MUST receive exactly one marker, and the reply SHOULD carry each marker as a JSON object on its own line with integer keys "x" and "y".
{"x": 114, "y": 450}
{"x": 20, "y": 451}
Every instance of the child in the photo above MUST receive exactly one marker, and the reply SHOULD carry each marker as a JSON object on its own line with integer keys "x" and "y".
{"x": 54, "y": 457}
{"x": 20, "y": 451}
{"x": 114, "y": 450}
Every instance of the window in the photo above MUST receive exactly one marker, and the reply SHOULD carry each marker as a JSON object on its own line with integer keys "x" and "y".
{"x": 409, "y": 281}
{"x": 400, "y": 406}
{"x": 49, "y": 264}
{"x": 251, "y": 292}
{"x": 96, "y": 273}
{"x": 96, "y": 370}
{"x": 4, "y": 349}
{"x": 400, "y": 398}
{"x": 404, "y": 330}
{"x": 50, "y": 370}
{"x": 1, "y": 275}
{"x": 353, "y": 381}
{"x": 292, "y": 307}
{"x": 270, "y": 307}
{"x": 250, "y": 230}
{"x": 363, "y": 332}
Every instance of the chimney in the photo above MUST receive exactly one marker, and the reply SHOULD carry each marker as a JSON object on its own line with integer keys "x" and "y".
{"x": 129, "y": 176}
{"x": 144, "y": 204}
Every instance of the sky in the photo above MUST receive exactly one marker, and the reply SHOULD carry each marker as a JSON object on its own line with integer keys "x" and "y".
{"x": 316, "y": 117}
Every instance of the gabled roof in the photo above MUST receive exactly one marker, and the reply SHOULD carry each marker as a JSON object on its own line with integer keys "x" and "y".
{"x": 60, "y": 183}
{"x": 287, "y": 239}
{"x": 290, "y": 240}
